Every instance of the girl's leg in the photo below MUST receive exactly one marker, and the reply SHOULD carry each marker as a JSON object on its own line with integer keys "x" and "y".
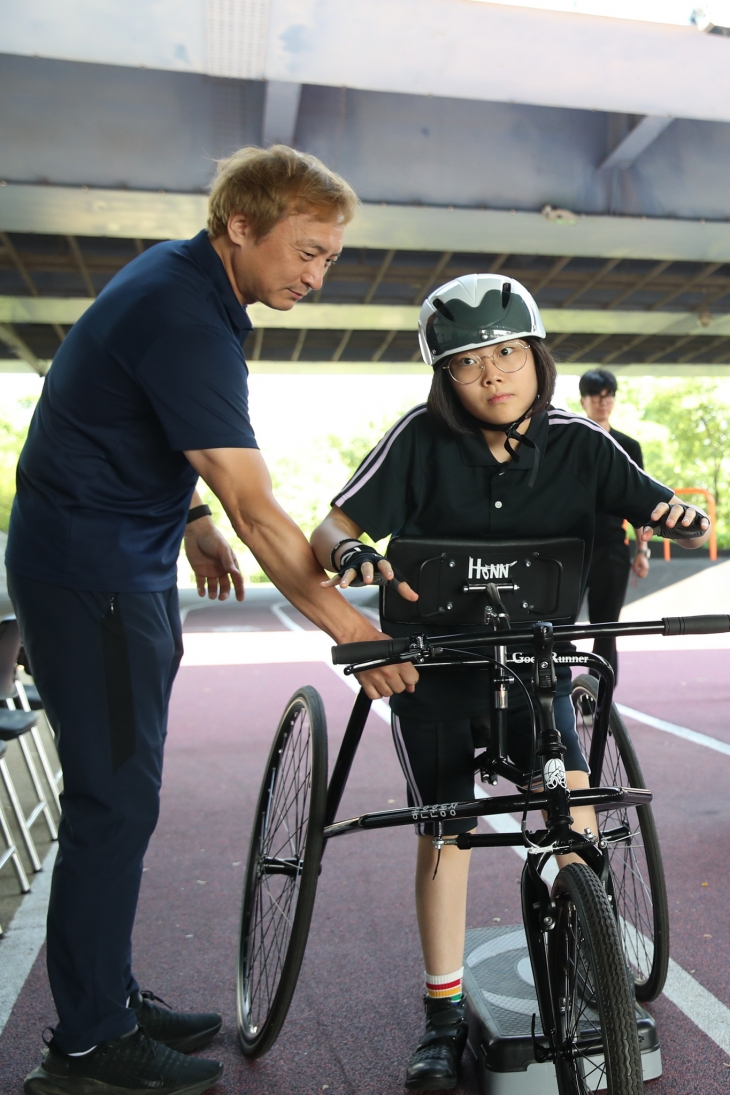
{"x": 441, "y": 905}
{"x": 584, "y": 817}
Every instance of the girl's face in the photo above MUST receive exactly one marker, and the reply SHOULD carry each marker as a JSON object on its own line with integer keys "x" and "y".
{"x": 491, "y": 394}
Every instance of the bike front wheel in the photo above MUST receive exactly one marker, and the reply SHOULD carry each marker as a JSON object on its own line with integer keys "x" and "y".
{"x": 282, "y": 872}
{"x": 636, "y": 882}
{"x": 597, "y": 1039}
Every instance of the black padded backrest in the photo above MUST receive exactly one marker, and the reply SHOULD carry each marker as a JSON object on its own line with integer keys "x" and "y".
{"x": 9, "y": 647}
{"x": 538, "y": 579}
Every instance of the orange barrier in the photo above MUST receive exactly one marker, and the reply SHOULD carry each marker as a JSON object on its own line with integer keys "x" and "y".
{"x": 711, "y": 513}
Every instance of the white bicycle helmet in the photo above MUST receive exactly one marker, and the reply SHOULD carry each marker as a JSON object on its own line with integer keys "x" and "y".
{"x": 475, "y": 310}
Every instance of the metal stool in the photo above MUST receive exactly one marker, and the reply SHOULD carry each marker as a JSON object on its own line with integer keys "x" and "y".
{"x": 27, "y": 699}
{"x": 14, "y": 725}
{"x": 10, "y": 853}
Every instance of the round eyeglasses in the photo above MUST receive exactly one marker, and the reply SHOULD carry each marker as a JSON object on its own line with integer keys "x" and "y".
{"x": 508, "y": 357}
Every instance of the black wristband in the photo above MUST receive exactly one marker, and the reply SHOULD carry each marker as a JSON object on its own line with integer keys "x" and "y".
{"x": 338, "y": 545}
{"x": 353, "y": 559}
{"x": 198, "y": 511}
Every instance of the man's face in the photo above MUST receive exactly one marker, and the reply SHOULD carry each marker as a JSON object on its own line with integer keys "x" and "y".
{"x": 281, "y": 268}
{"x": 599, "y": 407}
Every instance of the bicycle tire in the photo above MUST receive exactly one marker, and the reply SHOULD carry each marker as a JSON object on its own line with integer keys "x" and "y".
{"x": 637, "y": 883}
{"x": 282, "y": 872}
{"x": 597, "y": 1038}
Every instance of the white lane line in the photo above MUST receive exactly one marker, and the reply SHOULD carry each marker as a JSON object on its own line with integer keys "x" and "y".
{"x": 678, "y": 731}
{"x": 24, "y": 937}
{"x": 700, "y": 1006}
{"x": 279, "y": 610}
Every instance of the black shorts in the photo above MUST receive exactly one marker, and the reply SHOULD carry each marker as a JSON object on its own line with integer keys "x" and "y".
{"x": 437, "y": 757}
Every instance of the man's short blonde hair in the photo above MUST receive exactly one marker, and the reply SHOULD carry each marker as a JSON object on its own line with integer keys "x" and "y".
{"x": 265, "y": 184}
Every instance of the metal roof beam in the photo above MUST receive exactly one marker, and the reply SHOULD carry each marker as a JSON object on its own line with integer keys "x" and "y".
{"x": 611, "y": 64}
{"x": 21, "y": 349}
{"x": 396, "y": 317}
{"x": 134, "y": 214}
{"x": 636, "y": 142}
{"x": 83, "y": 268}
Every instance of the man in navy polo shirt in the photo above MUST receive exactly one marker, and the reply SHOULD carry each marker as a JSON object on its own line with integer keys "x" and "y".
{"x": 147, "y": 393}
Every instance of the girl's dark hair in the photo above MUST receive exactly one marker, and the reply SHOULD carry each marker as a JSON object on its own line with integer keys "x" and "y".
{"x": 448, "y": 411}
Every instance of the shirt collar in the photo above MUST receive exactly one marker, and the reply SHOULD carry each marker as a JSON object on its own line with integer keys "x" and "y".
{"x": 211, "y": 264}
{"x": 475, "y": 451}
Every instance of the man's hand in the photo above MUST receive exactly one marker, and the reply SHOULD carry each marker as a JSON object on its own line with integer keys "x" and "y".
{"x": 212, "y": 561}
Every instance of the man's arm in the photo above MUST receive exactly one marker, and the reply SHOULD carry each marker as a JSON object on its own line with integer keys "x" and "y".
{"x": 240, "y": 479}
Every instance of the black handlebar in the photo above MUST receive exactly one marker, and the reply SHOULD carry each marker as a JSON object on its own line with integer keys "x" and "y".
{"x": 350, "y": 653}
{"x": 695, "y": 625}
{"x": 385, "y": 649}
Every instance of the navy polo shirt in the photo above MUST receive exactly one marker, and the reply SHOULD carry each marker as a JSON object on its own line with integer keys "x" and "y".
{"x": 154, "y": 367}
{"x": 422, "y": 481}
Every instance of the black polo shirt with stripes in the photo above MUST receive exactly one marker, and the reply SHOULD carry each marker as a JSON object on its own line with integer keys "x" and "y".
{"x": 422, "y": 481}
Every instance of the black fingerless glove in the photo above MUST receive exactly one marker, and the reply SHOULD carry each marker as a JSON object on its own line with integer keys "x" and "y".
{"x": 680, "y": 531}
{"x": 352, "y": 558}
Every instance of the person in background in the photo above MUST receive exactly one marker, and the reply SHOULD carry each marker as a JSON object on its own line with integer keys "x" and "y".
{"x": 611, "y": 562}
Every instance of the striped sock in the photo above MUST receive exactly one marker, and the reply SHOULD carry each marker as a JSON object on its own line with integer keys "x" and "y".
{"x": 445, "y": 986}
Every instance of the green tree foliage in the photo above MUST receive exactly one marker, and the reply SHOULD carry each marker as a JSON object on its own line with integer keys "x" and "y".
{"x": 11, "y": 442}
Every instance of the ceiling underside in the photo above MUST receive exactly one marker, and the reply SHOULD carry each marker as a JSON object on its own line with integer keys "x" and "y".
{"x": 620, "y": 311}
{"x": 588, "y": 158}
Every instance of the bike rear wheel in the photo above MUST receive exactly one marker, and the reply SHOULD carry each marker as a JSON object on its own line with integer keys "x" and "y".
{"x": 282, "y": 872}
{"x": 596, "y": 1038}
{"x": 636, "y": 883}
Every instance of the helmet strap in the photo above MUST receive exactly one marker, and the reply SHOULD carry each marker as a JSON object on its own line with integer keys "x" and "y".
{"x": 510, "y": 430}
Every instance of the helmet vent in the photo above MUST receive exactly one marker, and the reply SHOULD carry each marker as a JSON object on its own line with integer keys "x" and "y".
{"x": 506, "y": 294}
{"x": 443, "y": 309}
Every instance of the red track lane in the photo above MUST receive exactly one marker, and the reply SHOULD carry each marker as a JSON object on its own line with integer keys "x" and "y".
{"x": 356, "y": 1014}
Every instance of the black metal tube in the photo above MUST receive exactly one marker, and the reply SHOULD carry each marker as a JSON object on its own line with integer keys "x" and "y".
{"x": 346, "y": 755}
{"x": 598, "y": 797}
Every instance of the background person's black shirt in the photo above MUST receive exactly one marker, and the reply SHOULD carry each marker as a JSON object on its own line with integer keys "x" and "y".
{"x": 609, "y": 528}
{"x": 154, "y": 367}
{"x": 422, "y": 481}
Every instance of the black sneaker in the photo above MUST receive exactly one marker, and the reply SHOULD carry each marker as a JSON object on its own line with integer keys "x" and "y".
{"x": 133, "y": 1065}
{"x": 434, "y": 1065}
{"x": 180, "y": 1030}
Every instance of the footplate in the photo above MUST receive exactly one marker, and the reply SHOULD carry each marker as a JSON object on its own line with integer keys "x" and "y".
{"x": 501, "y": 1002}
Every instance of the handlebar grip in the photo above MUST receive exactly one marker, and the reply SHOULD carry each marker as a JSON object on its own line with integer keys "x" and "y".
{"x": 351, "y": 653}
{"x": 696, "y": 625}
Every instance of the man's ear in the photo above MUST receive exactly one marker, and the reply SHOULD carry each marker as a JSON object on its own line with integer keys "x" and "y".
{"x": 239, "y": 229}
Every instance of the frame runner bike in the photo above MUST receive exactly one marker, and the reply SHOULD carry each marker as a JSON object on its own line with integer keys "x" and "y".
{"x": 603, "y": 917}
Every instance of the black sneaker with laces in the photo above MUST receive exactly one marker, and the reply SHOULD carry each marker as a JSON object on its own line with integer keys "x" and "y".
{"x": 184, "y": 1031}
{"x": 434, "y": 1066}
{"x": 133, "y": 1065}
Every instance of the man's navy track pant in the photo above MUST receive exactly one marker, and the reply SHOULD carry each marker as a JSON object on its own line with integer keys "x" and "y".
{"x": 104, "y": 664}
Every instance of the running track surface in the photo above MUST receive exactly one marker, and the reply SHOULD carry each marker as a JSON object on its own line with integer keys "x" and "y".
{"x": 357, "y": 1014}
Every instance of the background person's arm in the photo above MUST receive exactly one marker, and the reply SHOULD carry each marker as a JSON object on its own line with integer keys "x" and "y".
{"x": 240, "y": 479}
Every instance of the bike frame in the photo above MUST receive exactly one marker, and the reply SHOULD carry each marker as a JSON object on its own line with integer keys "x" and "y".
{"x": 554, "y": 799}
